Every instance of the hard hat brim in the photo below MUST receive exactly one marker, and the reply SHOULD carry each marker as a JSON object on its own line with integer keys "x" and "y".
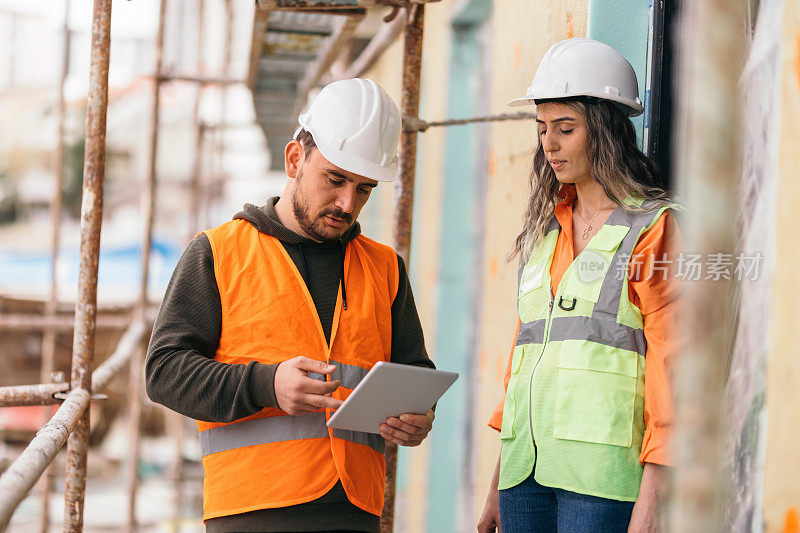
{"x": 358, "y": 165}
{"x": 519, "y": 102}
{"x": 634, "y": 109}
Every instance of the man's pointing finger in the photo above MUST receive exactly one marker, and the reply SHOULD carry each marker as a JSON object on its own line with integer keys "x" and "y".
{"x": 312, "y": 365}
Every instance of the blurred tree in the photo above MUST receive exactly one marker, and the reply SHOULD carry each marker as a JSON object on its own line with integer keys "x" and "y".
{"x": 8, "y": 199}
{"x": 72, "y": 188}
{"x": 73, "y": 178}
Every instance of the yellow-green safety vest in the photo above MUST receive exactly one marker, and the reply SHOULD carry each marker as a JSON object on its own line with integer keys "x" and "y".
{"x": 574, "y": 406}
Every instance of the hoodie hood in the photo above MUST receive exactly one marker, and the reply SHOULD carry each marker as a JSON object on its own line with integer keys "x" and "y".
{"x": 265, "y": 219}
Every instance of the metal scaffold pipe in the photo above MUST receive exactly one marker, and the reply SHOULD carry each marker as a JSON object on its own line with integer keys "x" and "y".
{"x": 147, "y": 208}
{"x": 49, "y": 336}
{"x": 129, "y": 342}
{"x": 175, "y": 421}
{"x": 91, "y": 221}
{"x": 31, "y": 394}
{"x": 217, "y": 174}
{"x": 31, "y": 322}
{"x": 412, "y": 124}
{"x": 23, "y": 473}
{"x": 409, "y": 107}
{"x": 404, "y": 199}
{"x": 26, "y": 469}
{"x": 195, "y": 180}
{"x": 202, "y": 80}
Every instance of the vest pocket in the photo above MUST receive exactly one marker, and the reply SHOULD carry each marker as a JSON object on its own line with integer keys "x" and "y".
{"x": 532, "y": 277}
{"x": 595, "y": 394}
{"x": 510, "y": 403}
{"x": 532, "y": 297}
{"x": 509, "y": 412}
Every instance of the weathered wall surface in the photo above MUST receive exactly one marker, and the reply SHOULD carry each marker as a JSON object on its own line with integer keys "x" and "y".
{"x": 781, "y": 490}
{"x": 522, "y": 33}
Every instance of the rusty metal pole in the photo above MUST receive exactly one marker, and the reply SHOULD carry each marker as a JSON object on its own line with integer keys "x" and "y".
{"x": 710, "y": 165}
{"x": 26, "y": 469}
{"x": 175, "y": 429}
{"x": 49, "y": 338}
{"x": 148, "y": 209}
{"x": 91, "y": 221}
{"x": 48, "y": 343}
{"x": 195, "y": 181}
{"x": 175, "y": 425}
{"x": 65, "y": 323}
{"x": 217, "y": 175}
{"x": 31, "y": 394}
{"x": 404, "y": 199}
{"x": 20, "y": 477}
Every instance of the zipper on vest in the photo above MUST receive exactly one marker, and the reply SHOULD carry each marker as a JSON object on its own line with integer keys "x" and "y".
{"x": 530, "y": 383}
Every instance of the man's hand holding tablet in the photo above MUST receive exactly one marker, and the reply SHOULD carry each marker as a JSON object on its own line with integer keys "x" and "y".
{"x": 394, "y": 401}
{"x": 408, "y": 429}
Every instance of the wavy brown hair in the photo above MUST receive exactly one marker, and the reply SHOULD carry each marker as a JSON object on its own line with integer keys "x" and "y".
{"x": 616, "y": 163}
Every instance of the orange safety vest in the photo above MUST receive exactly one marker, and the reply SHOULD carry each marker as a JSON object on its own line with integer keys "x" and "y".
{"x": 271, "y": 459}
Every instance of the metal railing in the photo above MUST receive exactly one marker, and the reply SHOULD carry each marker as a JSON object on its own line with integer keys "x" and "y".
{"x": 21, "y": 476}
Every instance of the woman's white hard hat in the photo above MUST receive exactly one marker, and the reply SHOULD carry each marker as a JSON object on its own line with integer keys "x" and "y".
{"x": 584, "y": 67}
{"x": 356, "y": 126}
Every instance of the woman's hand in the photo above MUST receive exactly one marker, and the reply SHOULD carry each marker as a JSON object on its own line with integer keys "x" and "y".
{"x": 490, "y": 519}
{"x": 645, "y": 516}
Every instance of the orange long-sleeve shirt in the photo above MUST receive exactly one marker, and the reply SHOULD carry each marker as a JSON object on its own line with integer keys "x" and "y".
{"x": 652, "y": 289}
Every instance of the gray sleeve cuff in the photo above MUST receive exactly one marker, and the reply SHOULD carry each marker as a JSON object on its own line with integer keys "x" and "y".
{"x": 262, "y": 384}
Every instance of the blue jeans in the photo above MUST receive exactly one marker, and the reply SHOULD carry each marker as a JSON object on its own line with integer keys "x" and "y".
{"x": 531, "y": 507}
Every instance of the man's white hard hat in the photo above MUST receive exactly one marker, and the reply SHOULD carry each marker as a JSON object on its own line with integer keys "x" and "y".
{"x": 584, "y": 67}
{"x": 356, "y": 126}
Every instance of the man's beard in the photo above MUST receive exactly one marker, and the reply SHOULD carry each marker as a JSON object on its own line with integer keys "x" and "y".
{"x": 315, "y": 227}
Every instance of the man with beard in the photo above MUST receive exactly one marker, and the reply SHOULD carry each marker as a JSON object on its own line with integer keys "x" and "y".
{"x": 270, "y": 320}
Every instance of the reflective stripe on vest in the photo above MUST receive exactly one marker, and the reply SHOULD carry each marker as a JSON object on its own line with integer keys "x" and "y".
{"x": 283, "y": 428}
{"x": 605, "y": 332}
{"x": 585, "y": 355}
{"x": 348, "y": 375}
{"x": 531, "y": 332}
{"x": 277, "y": 429}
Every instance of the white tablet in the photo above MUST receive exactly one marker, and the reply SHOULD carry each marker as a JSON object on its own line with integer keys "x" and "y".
{"x": 390, "y": 389}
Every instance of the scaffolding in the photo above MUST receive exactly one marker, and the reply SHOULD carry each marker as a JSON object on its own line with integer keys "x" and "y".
{"x": 70, "y": 423}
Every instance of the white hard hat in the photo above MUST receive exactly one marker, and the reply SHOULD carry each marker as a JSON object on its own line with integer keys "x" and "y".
{"x": 356, "y": 126}
{"x": 584, "y": 67}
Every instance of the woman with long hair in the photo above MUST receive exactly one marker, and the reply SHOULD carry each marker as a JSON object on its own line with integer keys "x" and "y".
{"x": 586, "y": 415}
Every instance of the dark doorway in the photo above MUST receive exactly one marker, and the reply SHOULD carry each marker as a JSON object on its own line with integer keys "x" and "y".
{"x": 659, "y": 118}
